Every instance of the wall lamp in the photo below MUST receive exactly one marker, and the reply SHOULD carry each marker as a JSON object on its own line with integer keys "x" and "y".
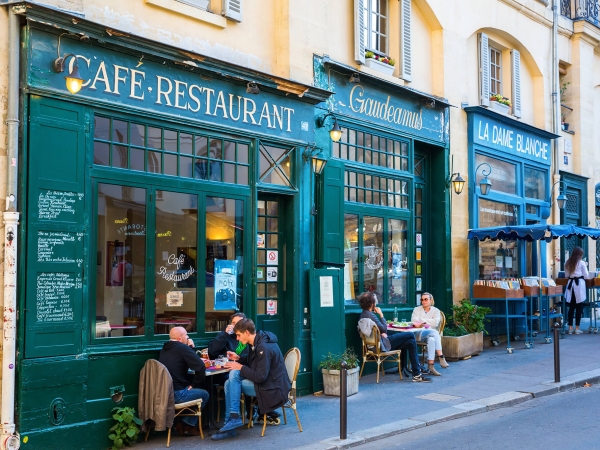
{"x": 335, "y": 133}
{"x": 485, "y": 185}
{"x": 73, "y": 80}
{"x": 314, "y": 155}
{"x": 355, "y": 78}
{"x": 561, "y": 200}
{"x": 457, "y": 182}
{"x": 252, "y": 88}
{"x": 428, "y": 102}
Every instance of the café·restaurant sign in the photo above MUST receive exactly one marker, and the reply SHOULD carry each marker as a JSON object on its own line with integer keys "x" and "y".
{"x": 520, "y": 143}
{"x": 116, "y": 77}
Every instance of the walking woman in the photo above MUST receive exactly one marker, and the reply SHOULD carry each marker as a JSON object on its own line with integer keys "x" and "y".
{"x": 576, "y": 271}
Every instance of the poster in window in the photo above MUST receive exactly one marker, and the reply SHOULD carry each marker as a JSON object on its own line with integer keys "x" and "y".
{"x": 418, "y": 268}
{"x": 418, "y": 254}
{"x": 117, "y": 267}
{"x": 419, "y": 239}
{"x": 418, "y": 284}
{"x": 260, "y": 241}
{"x": 271, "y": 273}
{"x": 225, "y": 284}
{"x": 396, "y": 262}
{"x": 271, "y": 307}
{"x": 348, "y": 281}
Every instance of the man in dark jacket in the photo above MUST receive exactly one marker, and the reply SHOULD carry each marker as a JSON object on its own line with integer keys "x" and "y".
{"x": 226, "y": 341}
{"x": 265, "y": 377}
{"x": 177, "y": 356}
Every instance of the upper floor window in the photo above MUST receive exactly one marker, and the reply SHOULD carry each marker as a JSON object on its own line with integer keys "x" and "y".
{"x": 495, "y": 71}
{"x": 376, "y": 25}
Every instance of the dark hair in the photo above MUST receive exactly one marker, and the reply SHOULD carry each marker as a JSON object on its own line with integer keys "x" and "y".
{"x": 366, "y": 300}
{"x": 245, "y": 325}
{"x": 241, "y": 315}
{"x": 575, "y": 257}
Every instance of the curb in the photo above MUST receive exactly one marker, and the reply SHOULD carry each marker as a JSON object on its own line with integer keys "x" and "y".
{"x": 459, "y": 411}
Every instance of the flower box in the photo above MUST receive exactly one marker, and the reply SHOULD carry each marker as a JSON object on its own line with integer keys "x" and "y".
{"x": 331, "y": 382}
{"x": 378, "y": 65}
{"x": 458, "y": 347}
{"x": 499, "y": 107}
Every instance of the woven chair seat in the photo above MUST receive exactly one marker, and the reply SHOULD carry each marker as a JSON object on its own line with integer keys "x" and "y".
{"x": 188, "y": 404}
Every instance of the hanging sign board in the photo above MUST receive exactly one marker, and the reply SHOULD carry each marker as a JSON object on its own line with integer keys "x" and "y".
{"x": 225, "y": 284}
{"x": 175, "y": 298}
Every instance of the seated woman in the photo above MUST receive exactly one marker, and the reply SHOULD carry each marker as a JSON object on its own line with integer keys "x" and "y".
{"x": 405, "y": 341}
{"x": 429, "y": 314}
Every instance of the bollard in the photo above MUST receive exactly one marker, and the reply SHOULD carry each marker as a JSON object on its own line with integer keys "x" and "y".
{"x": 556, "y": 353}
{"x": 344, "y": 400}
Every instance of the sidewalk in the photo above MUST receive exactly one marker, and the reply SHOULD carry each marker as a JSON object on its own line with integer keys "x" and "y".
{"x": 491, "y": 380}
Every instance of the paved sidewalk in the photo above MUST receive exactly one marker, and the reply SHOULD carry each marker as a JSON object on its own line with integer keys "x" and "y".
{"x": 491, "y": 380}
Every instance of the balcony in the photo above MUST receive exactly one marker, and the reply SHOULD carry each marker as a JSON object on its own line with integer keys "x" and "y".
{"x": 581, "y": 10}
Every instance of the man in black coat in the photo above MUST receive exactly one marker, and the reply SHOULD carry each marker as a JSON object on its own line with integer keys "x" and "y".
{"x": 226, "y": 341}
{"x": 265, "y": 377}
{"x": 178, "y": 356}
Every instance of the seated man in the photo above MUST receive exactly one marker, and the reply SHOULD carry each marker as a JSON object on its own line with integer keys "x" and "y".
{"x": 429, "y": 314}
{"x": 227, "y": 342}
{"x": 178, "y": 357}
{"x": 265, "y": 376}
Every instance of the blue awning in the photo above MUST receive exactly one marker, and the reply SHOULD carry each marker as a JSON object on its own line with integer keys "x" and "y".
{"x": 533, "y": 232}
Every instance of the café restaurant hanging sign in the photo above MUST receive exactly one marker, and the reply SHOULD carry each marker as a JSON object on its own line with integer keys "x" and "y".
{"x": 133, "y": 81}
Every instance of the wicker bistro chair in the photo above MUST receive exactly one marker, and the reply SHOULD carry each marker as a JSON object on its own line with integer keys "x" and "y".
{"x": 440, "y": 329}
{"x": 372, "y": 352}
{"x": 292, "y": 366}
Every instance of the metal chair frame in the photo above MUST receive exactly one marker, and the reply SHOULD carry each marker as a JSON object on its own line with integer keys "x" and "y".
{"x": 371, "y": 352}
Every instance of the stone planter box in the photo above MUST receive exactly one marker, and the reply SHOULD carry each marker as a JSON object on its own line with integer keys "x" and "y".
{"x": 331, "y": 382}
{"x": 457, "y": 347}
{"x": 499, "y": 107}
{"x": 377, "y": 65}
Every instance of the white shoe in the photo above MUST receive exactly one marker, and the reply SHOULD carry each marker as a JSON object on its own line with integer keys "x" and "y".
{"x": 570, "y": 331}
{"x": 578, "y": 332}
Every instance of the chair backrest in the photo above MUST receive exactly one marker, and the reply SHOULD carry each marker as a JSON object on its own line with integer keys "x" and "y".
{"x": 292, "y": 364}
{"x": 442, "y": 323}
{"x": 155, "y": 395}
{"x": 373, "y": 341}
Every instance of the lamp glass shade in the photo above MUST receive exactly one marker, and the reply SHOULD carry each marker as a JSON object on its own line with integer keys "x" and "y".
{"x": 318, "y": 164}
{"x": 485, "y": 186}
{"x": 335, "y": 133}
{"x": 74, "y": 81}
{"x": 458, "y": 183}
{"x": 561, "y": 201}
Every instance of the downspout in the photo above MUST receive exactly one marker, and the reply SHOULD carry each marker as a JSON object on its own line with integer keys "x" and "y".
{"x": 555, "y": 129}
{"x": 10, "y": 439}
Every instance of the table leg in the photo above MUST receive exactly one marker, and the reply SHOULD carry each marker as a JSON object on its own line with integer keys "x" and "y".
{"x": 211, "y": 404}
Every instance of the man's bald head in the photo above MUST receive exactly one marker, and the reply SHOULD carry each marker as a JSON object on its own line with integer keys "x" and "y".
{"x": 176, "y": 333}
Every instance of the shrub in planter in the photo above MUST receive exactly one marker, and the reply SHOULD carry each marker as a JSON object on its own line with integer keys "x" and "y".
{"x": 330, "y": 368}
{"x": 465, "y": 336}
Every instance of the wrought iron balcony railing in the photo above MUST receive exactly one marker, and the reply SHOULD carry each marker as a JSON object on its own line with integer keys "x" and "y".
{"x": 581, "y": 10}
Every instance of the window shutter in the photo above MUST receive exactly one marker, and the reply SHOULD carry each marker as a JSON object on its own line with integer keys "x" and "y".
{"x": 484, "y": 69}
{"x": 405, "y": 44}
{"x": 232, "y": 10}
{"x": 360, "y": 37}
{"x": 516, "y": 82}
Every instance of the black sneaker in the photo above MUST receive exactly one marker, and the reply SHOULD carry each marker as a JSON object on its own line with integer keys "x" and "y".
{"x": 421, "y": 379}
{"x": 425, "y": 370}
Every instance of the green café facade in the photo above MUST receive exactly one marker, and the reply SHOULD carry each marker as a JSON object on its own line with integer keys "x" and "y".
{"x": 165, "y": 194}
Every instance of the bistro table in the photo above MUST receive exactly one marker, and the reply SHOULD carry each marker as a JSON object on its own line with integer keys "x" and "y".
{"x": 210, "y": 373}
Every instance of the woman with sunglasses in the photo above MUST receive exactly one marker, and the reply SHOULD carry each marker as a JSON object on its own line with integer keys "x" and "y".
{"x": 430, "y": 315}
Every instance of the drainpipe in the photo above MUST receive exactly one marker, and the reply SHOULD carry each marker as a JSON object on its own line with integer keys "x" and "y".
{"x": 555, "y": 126}
{"x": 10, "y": 439}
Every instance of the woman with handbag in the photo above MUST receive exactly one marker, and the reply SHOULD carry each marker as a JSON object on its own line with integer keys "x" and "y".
{"x": 576, "y": 271}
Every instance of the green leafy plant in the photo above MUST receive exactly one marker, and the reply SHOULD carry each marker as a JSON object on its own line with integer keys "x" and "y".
{"x": 333, "y": 361}
{"x": 563, "y": 90}
{"x": 467, "y": 318}
{"x": 126, "y": 430}
{"x": 381, "y": 58}
{"x": 502, "y": 100}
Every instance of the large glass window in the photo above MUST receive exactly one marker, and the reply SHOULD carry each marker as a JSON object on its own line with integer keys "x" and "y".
{"x": 535, "y": 183}
{"x": 376, "y": 24}
{"x": 351, "y": 258}
{"x": 503, "y": 176}
{"x": 397, "y": 262}
{"x": 375, "y": 190}
{"x": 120, "y": 261}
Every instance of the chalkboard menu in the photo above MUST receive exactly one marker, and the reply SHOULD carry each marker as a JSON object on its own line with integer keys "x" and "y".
{"x": 58, "y": 205}
{"x": 57, "y": 246}
{"x": 54, "y": 297}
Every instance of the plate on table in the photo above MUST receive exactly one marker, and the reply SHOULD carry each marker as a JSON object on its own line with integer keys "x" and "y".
{"x": 401, "y": 324}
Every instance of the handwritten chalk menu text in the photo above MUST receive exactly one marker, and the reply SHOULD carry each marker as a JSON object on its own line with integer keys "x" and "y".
{"x": 55, "y": 295}
{"x": 56, "y": 246}
{"x": 58, "y": 205}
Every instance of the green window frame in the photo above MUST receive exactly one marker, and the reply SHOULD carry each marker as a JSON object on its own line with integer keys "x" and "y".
{"x": 371, "y": 189}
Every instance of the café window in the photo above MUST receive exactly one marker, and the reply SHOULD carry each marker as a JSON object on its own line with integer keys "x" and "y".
{"x": 375, "y": 190}
{"x": 497, "y": 259}
{"x": 535, "y": 183}
{"x": 503, "y": 176}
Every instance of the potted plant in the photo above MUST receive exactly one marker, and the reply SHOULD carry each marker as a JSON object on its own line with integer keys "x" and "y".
{"x": 465, "y": 337}
{"x": 330, "y": 368}
{"x": 126, "y": 430}
{"x": 500, "y": 104}
{"x": 379, "y": 62}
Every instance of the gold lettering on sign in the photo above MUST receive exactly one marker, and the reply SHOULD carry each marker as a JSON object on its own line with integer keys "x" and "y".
{"x": 363, "y": 104}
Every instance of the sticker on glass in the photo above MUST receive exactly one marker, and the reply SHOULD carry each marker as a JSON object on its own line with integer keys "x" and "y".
{"x": 272, "y": 274}
{"x": 418, "y": 254}
{"x": 418, "y": 268}
{"x": 419, "y": 284}
{"x": 271, "y": 307}
{"x": 272, "y": 257}
{"x": 260, "y": 241}
{"x": 419, "y": 239}
{"x": 260, "y": 274}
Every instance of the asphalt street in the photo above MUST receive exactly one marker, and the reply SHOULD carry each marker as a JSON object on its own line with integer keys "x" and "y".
{"x": 566, "y": 421}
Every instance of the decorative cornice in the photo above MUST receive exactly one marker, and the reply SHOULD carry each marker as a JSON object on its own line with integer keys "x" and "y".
{"x": 587, "y": 32}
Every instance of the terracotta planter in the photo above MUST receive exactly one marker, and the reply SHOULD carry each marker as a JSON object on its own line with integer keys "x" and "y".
{"x": 377, "y": 65}
{"x": 331, "y": 382}
{"x": 457, "y": 347}
{"x": 499, "y": 107}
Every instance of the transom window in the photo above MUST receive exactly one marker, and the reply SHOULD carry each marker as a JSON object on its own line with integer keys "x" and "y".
{"x": 133, "y": 146}
{"x": 375, "y": 190}
{"x": 372, "y": 149}
{"x": 495, "y": 71}
{"x": 376, "y": 24}
{"x": 275, "y": 165}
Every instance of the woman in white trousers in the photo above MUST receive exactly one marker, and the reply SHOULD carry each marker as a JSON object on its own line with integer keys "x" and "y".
{"x": 429, "y": 314}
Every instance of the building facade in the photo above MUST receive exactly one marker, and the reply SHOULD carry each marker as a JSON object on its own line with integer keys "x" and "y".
{"x": 178, "y": 185}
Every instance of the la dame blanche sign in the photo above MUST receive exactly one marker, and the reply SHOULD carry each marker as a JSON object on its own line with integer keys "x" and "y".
{"x": 117, "y": 77}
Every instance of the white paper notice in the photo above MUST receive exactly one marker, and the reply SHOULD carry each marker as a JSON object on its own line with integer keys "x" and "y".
{"x": 175, "y": 298}
{"x": 499, "y": 261}
{"x": 326, "y": 291}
